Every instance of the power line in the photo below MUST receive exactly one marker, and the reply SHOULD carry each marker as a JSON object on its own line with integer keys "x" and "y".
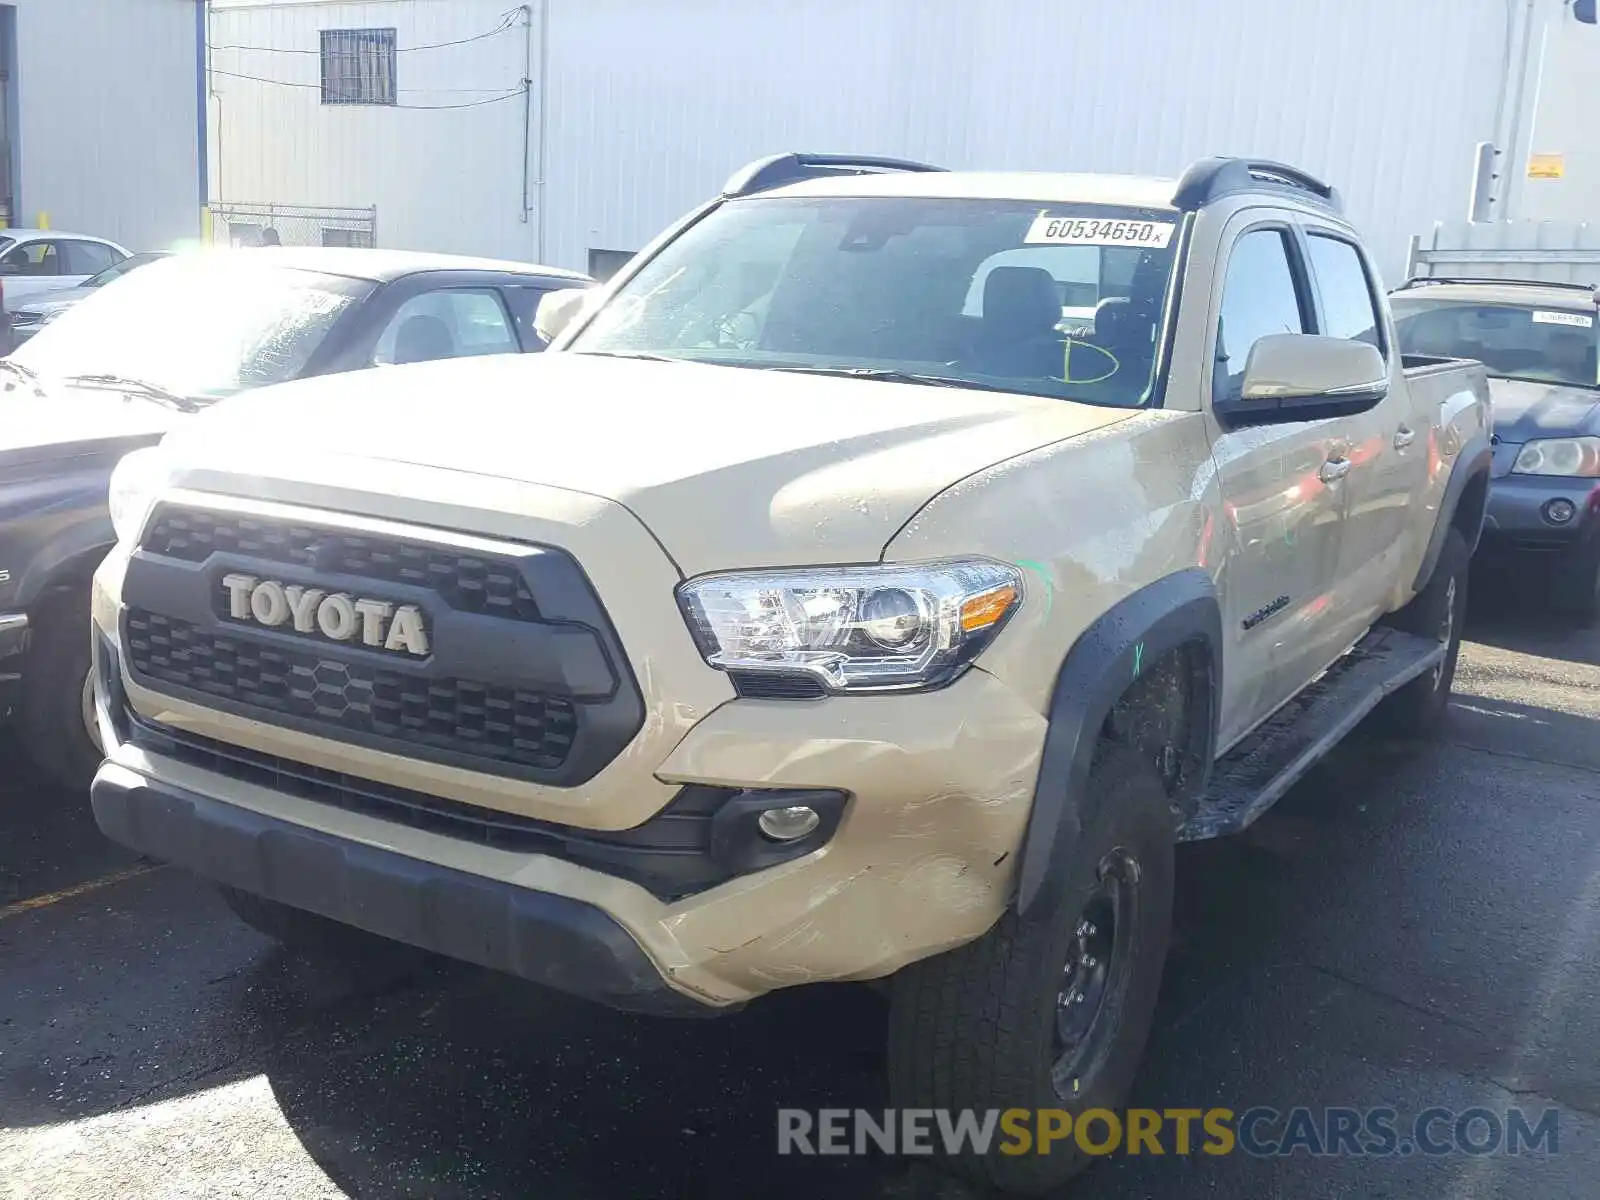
{"x": 508, "y": 21}
{"x": 317, "y": 87}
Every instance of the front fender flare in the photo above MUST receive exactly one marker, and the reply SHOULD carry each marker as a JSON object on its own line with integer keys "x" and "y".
{"x": 1103, "y": 663}
{"x": 70, "y": 551}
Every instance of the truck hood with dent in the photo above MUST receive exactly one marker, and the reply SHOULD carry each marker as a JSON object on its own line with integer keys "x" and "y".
{"x": 1525, "y": 410}
{"x": 728, "y": 467}
{"x": 64, "y": 422}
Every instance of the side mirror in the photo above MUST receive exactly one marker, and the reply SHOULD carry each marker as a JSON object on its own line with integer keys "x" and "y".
{"x": 1305, "y": 377}
{"x": 1583, "y": 10}
{"x": 557, "y": 310}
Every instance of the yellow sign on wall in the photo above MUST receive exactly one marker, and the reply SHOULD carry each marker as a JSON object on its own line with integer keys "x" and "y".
{"x": 1547, "y": 166}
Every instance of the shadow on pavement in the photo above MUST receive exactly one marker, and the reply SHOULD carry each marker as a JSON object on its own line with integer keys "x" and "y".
{"x": 1512, "y": 611}
{"x": 48, "y": 838}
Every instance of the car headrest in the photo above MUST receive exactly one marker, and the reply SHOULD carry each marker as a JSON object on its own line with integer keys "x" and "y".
{"x": 423, "y": 338}
{"x": 1022, "y": 299}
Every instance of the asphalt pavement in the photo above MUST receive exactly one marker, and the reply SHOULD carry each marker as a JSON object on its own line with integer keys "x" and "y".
{"x": 1413, "y": 926}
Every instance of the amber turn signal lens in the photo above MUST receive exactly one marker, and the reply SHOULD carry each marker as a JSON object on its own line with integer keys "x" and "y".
{"x": 982, "y": 611}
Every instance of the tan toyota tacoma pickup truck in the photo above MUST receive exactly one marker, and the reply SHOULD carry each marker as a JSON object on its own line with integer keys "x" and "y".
{"x": 844, "y": 599}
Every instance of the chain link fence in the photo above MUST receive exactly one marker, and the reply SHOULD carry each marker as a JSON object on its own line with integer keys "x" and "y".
{"x": 246, "y": 223}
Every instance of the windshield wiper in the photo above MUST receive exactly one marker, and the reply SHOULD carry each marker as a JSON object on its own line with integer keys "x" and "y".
{"x": 639, "y": 354}
{"x": 886, "y": 375}
{"x": 26, "y": 374}
{"x": 144, "y": 387}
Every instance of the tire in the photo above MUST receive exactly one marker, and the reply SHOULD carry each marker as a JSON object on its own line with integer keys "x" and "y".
{"x": 1417, "y": 709}
{"x": 310, "y": 935}
{"x": 981, "y": 1026}
{"x": 57, "y": 704}
{"x": 1577, "y": 585}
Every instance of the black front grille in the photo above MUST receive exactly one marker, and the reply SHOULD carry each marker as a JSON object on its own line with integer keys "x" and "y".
{"x": 473, "y": 720}
{"x": 467, "y": 582}
{"x": 524, "y": 674}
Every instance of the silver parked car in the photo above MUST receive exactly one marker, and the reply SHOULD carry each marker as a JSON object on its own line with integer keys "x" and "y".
{"x": 38, "y": 310}
{"x": 42, "y": 260}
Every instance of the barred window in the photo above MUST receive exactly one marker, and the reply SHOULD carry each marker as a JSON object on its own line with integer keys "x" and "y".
{"x": 358, "y": 66}
{"x": 360, "y": 239}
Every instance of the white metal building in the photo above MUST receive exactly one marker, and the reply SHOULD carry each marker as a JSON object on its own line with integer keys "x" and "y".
{"x": 100, "y": 117}
{"x": 634, "y": 110}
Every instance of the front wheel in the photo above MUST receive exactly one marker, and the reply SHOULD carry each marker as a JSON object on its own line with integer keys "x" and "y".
{"x": 58, "y": 694}
{"x": 1051, "y": 1010}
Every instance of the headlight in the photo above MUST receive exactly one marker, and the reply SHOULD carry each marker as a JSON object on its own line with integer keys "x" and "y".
{"x": 134, "y": 484}
{"x": 854, "y": 629}
{"x": 1559, "y": 456}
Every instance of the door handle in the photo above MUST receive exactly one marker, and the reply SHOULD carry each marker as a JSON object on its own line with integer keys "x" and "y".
{"x": 1403, "y": 437}
{"x": 1334, "y": 470}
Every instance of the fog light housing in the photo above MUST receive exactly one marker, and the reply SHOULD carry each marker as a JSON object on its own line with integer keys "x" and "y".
{"x": 762, "y": 827}
{"x": 787, "y": 824}
{"x": 1559, "y": 512}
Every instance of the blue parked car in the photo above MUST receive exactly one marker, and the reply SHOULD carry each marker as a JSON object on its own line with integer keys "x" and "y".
{"x": 1539, "y": 342}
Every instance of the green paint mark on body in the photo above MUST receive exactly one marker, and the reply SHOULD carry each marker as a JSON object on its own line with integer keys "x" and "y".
{"x": 1138, "y": 659}
{"x": 1043, "y": 573}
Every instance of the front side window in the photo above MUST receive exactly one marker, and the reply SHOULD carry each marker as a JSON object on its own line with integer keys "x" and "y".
{"x": 1514, "y": 341}
{"x": 971, "y": 291}
{"x": 1259, "y": 298}
{"x": 31, "y": 258}
{"x": 449, "y": 323}
{"x": 202, "y": 327}
{"x": 1348, "y": 308}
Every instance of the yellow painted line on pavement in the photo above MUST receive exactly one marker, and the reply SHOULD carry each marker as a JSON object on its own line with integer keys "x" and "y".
{"x": 80, "y": 889}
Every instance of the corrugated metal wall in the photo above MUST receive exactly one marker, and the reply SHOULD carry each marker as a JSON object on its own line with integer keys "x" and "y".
{"x": 443, "y": 167}
{"x": 651, "y": 105}
{"x": 107, "y": 117}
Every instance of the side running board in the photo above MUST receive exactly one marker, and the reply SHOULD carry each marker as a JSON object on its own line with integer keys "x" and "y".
{"x": 1251, "y": 777}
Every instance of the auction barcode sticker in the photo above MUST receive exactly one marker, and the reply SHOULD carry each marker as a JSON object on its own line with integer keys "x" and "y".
{"x": 1098, "y": 231}
{"x": 1581, "y": 320}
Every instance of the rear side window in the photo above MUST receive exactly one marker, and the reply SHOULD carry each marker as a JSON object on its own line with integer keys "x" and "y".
{"x": 89, "y": 258}
{"x": 1348, "y": 310}
{"x": 448, "y": 323}
{"x": 1259, "y": 298}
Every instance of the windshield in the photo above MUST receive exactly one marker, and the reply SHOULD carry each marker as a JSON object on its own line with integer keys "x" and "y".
{"x": 1545, "y": 345}
{"x": 1067, "y": 301}
{"x": 202, "y": 326}
{"x": 117, "y": 270}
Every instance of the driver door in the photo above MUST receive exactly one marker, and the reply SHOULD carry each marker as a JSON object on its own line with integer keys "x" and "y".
{"x": 1281, "y": 488}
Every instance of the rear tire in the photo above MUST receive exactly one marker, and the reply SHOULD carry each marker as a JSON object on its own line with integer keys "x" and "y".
{"x": 57, "y": 699}
{"x": 1417, "y": 710}
{"x": 999, "y": 1023}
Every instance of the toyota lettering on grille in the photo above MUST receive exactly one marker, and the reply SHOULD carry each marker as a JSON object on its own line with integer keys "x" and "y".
{"x": 337, "y": 616}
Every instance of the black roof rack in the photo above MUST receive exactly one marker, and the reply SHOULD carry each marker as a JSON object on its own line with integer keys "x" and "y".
{"x": 1211, "y": 179}
{"x": 1492, "y": 281}
{"x": 767, "y": 173}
